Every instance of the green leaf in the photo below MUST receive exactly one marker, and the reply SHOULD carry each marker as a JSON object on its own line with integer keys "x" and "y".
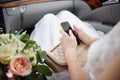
{"x": 10, "y": 36}
{"x": 29, "y": 44}
{"x": 18, "y": 32}
{"x": 41, "y": 77}
{"x": 38, "y": 57}
{"x": 44, "y": 70}
{"x": 32, "y": 76}
{"x": 43, "y": 55}
{"x": 32, "y": 42}
{"x": 10, "y": 31}
{"x": 24, "y": 38}
{"x": 31, "y": 59}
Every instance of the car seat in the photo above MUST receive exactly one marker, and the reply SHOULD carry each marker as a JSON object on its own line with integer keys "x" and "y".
{"x": 26, "y": 16}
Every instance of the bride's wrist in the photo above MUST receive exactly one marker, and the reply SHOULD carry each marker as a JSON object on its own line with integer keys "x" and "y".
{"x": 70, "y": 52}
{"x": 70, "y": 56}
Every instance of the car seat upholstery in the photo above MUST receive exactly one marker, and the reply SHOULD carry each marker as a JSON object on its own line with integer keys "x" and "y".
{"x": 102, "y": 18}
{"x": 24, "y": 19}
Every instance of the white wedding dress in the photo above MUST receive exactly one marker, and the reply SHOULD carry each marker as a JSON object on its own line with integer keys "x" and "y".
{"x": 47, "y": 35}
{"x": 47, "y": 30}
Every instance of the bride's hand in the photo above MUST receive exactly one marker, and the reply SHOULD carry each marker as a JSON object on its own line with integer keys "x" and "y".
{"x": 85, "y": 38}
{"x": 68, "y": 42}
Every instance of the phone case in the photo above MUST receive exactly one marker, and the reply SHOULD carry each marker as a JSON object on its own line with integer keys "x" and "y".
{"x": 66, "y": 26}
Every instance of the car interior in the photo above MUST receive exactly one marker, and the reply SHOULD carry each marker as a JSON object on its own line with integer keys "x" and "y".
{"x": 25, "y": 16}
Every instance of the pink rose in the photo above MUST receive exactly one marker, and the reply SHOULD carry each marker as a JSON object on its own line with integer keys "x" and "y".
{"x": 20, "y": 65}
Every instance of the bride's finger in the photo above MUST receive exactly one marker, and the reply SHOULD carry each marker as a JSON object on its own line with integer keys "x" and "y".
{"x": 71, "y": 34}
{"x": 75, "y": 28}
{"x": 63, "y": 32}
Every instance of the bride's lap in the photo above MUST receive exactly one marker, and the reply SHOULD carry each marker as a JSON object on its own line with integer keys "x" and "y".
{"x": 46, "y": 32}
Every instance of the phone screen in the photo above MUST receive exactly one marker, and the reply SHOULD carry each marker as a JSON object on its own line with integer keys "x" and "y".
{"x": 66, "y": 26}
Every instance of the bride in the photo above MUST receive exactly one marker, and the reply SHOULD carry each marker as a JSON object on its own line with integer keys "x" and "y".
{"x": 100, "y": 53}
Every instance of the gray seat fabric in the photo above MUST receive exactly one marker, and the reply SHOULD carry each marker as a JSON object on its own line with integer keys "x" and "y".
{"x": 109, "y": 14}
{"x": 103, "y": 18}
{"x": 24, "y": 19}
{"x": 100, "y": 26}
{"x": 81, "y": 8}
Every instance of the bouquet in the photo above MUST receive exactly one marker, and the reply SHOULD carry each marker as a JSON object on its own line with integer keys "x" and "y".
{"x": 21, "y": 58}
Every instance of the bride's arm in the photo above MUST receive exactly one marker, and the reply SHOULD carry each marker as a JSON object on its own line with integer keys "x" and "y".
{"x": 69, "y": 45}
{"x": 85, "y": 38}
{"x": 74, "y": 67}
{"x": 112, "y": 71}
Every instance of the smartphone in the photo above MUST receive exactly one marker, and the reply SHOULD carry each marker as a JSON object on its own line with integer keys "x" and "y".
{"x": 66, "y": 27}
